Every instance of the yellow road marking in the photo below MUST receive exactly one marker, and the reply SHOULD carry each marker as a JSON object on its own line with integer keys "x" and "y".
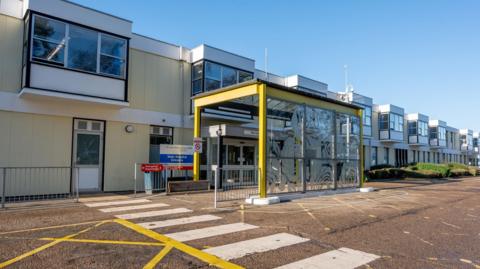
{"x": 52, "y": 227}
{"x": 115, "y": 242}
{"x": 307, "y": 211}
{"x": 155, "y": 260}
{"x": 205, "y": 257}
{"x": 51, "y": 244}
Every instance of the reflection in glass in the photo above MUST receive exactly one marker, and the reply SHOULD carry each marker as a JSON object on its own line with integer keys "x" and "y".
{"x": 82, "y": 49}
{"x": 111, "y": 66}
{"x": 48, "y": 29}
{"x": 48, "y": 51}
{"x": 88, "y": 149}
{"x": 229, "y": 76}
{"x": 113, "y": 46}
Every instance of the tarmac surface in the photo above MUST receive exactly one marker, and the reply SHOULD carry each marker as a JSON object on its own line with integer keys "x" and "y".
{"x": 404, "y": 224}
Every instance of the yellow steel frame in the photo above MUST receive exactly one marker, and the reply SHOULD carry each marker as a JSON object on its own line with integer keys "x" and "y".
{"x": 263, "y": 91}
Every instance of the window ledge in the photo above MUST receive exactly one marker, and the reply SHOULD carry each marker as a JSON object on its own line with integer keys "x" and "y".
{"x": 45, "y": 94}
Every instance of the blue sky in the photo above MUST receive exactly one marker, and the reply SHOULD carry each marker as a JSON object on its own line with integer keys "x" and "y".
{"x": 421, "y": 55}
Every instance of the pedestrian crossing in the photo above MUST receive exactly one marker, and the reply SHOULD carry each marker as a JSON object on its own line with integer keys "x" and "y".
{"x": 141, "y": 210}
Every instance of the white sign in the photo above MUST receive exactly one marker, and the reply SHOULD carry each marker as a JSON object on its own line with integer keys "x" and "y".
{"x": 178, "y": 155}
{"x": 197, "y": 144}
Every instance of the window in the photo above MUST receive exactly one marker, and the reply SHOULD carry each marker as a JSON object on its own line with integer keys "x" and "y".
{"x": 412, "y": 128}
{"x": 442, "y": 133}
{"x": 422, "y": 128}
{"x": 383, "y": 121}
{"x": 49, "y": 40}
{"x": 386, "y": 156}
{"x": 82, "y": 49}
{"x": 87, "y": 50}
{"x": 396, "y": 122}
{"x": 159, "y": 135}
{"x": 414, "y": 155}
{"x": 367, "y": 116}
{"x": 374, "y": 152}
{"x": 244, "y": 76}
{"x": 197, "y": 78}
{"x": 215, "y": 76}
{"x": 112, "y": 55}
{"x": 433, "y": 133}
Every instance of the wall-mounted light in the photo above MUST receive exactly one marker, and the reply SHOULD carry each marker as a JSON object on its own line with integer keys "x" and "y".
{"x": 129, "y": 128}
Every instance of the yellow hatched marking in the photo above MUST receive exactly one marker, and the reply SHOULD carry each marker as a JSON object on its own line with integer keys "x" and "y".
{"x": 114, "y": 242}
{"x": 155, "y": 260}
{"x": 205, "y": 257}
{"x": 51, "y": 244}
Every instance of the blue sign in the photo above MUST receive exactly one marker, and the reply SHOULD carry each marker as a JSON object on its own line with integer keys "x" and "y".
{"x": 179, "y": 155}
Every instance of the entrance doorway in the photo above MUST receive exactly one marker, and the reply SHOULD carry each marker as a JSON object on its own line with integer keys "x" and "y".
{"x": 239, "y": 159}
{"x": 88, "y": 154}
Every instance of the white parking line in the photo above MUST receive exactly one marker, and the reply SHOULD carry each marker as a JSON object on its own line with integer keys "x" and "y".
{"x": 343, "y": 258}
{"x": 132, "y": 207}
{"x": 148, "y": 214}
{"x": 123, "y": 202}
{"x": 210, "y": 231}
{"x": 180, "y": 221}
{"x": 262, "y": 244}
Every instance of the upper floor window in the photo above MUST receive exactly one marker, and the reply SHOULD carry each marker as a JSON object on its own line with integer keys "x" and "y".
{"x": 367, "y": 116}
{"x": 433, "y": 133}
{"x": 79, "y": 48}
{"x": 442, "y": 133}
{"x": 422, "y": 128}
{"x": 208, "y": 76}
{"x": 383, "y": 121}
{"x": 412, "y": 128}
{"x": 396, "y": 122}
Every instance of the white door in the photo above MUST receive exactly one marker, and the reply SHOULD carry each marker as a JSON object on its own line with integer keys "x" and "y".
{"x": 88, "y": 154}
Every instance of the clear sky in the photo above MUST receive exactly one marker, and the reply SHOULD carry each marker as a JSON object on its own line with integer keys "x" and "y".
{"x": 421, "y": 55}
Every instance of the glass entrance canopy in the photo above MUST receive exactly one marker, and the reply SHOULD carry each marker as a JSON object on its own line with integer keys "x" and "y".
{"x": 305, "y": 141}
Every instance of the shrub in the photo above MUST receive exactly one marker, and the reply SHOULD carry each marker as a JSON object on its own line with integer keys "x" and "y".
{"x": 456, "y": 172}
{"x": 443, "y": 169}
{"x": 379, "y": 174}
{"x": 380, "y": 166}
{"x": 457, "y": 166}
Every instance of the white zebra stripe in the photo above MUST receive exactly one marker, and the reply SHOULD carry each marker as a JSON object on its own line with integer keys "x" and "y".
{"x": 257, "y": 245}
{"x": 132, "y": 207}
{"x": 210, "y": 231}
{"x": 343, "y": 258}
{"x": 149, "y": 214}
{"x": 180, "y": 221}
{"x": 122, "y": 202}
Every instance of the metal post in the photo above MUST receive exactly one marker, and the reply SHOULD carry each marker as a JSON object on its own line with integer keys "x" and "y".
{"x": 77, "y": 183}
{"x": 4, "y": 179}
{"x": 304, "y": 124}
{"x": 217, "y": 172}
{"x": 219, "y": 154}
{"x": 135, "y": 180}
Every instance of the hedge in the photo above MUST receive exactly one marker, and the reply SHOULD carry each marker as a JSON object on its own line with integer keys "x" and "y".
{"x": 422, "y": 170}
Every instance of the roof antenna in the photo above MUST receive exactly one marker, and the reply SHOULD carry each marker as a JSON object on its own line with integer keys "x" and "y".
{"x": 266, "y": 64}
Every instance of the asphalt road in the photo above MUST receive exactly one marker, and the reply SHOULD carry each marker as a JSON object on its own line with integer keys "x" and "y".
{"x": 405, "y": 224}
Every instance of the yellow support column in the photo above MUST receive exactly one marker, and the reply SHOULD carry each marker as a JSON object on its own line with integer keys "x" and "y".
{"x": 362, "y": 161}
{"x": 196, "y": 133}
{"x": 262, "y": 140}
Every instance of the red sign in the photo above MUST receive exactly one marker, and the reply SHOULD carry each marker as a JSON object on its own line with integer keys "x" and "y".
{"x": 151, "y": 167}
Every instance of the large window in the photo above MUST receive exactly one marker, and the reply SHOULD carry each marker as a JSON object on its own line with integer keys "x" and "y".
{"x": 208, "y": 76}
{"x": 422, "y": 128}
{"x": 374, "y": 152}
{"x": 396, "y": 122}
{"x": 412, "y": 128}
{"x": 442, "y": 133}
{"x": 367, "y": 116}
{"x": 383, "y": 121}
{"x": 75, "y": 47}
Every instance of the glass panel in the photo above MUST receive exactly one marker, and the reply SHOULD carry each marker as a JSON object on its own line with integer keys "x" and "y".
{"x": 48, "y": 51}
{"x": 319, "y": 133}
{"x": 212, "y": 71}
{"x": 113, "y": 46}
{"x": 197, "y": 71}
{"x": 319, "y": 174}
{"x": 233, "y": 155}
{"x": 229, "y": 76}
{"x": 49, "y": 29}
{"x": 248, "y": 155}
{"x": 112, "y": 66}
{"x": 244, "y": 76}
{"x": 197, "y": 86}
{"x": 88, "y": 149}
{"x": 82, "y": 49}
{"x": 211, "y": 84}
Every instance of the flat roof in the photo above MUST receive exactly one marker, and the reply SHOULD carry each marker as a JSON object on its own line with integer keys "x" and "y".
{"x": 280, "y": 87}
